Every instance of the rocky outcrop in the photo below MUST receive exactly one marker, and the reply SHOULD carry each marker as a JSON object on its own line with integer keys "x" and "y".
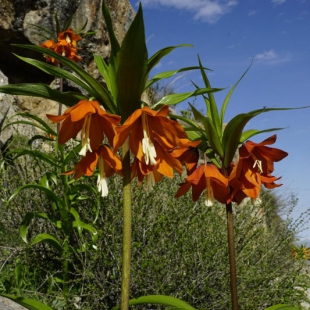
{"x": 8, "y": 304}
{"x": 20, "y": 18}
{"x": 18, "y": 25}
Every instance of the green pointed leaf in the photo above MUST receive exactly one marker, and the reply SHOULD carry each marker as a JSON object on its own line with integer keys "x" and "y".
{"x": 253, "y": 132}
{"x": 24, "y": 226}
{"x": 281, "y": 307}
{"x": 44, "y": 126}
{"x": 18, "y": 273}
{"x": 167, "y": 301}
{"x": 27, "y": 303}
{"x": 25, "y": 123}
{"x": 177, "y": 98}
{"x": 155, "y": 59}
{"x": 233, "y": 131}
{"x": 80, "y": 225}
{"x": 131, "y": 72}
{"x": 77, "y": 220}
{"x": 188, "y": 121}
{"x": 105, "y": 72}
{"x": 98, "y": 90}
{"x": 167, "y": 74}
{"x": 4, "y": 118}
{"x": 42, "y": 91}
{"x": 47, "y": 178}
{"x": 38, "y": 137}
{"x": 115, "y": 46}
{"x": 83, "y": 28}
{"x": 57, "y": 23}
{"x": 49, "y": 193}
{"x": 47, "y": 238}
{"x": 57, "y": 72}
{"x": 68, "y": 23}
{"x": 232, "y": 135}
{"x": 72, "y": 154}
{"x": 49, "y": 34}
{"x": 210, "y": 130}
{"x": 211, "y": 107}
{"x": 79, "y": 188}
{"x": 211, "y": 155}
{"x": 226, "y": 100}
{"x": 90, "y": 228}
{"x": 36, "y": 154}
{"x": 194, "y": 135}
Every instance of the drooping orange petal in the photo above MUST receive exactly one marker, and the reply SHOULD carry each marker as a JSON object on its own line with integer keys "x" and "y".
{"x": 166, "y": 162}
{"x": 112, "y": 162}
{"x": 183, "y": 189}
{"x": 71, "y": 34}
{"x": 187, "y": 154}
{"x": 86, "y": 166}
{"x": 212, "y": 172}
{"x": 80, "y": 110}
{"x": 56, "y": 118}
{"x": 95, "y": 132}
{"x": 199, "y": 186}
{"x": 123, "y": 131}
{"x": 69, "y": 130}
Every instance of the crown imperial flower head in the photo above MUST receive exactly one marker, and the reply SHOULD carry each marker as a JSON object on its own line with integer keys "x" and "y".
{"x": 91, "y": 120}
{"x": 107, "y": 162}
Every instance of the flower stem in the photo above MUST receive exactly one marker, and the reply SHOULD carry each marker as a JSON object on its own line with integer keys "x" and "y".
{"x": 61, "y": 86}
{"x": 232, "y": 256}
{"x": 126, "y": 228}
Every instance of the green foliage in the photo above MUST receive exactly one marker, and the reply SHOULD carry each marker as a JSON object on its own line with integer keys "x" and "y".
{"x": 178, "y": 249}
{"x": 220, "y": 141}
{"x": 166, "y": 301}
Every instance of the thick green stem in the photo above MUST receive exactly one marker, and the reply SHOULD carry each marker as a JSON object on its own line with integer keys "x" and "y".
{"x": 61, "y": 86}
{"x": 232, "y": 256}
{"x": 126, "y": 228}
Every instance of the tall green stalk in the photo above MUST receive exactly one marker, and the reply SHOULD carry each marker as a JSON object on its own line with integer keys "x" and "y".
{"x": 126, "y": 262}
{"x": 61, "y": 87}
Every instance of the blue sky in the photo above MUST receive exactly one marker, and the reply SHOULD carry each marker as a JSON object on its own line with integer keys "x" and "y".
{"x": 227, "y": 34}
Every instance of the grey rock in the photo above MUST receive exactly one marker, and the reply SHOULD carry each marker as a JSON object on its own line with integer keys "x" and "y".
{"x": 18, "y": 18}
{"x": 17, "y": 21}
{"x": 8, "y": 304}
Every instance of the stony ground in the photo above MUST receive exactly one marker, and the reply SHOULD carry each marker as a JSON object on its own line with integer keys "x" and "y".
{"x": 8, "y": 304}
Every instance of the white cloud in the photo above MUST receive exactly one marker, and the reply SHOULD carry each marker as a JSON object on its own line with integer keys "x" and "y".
{"x": 278, "y": 2}
{"x": 272, "y": 57}
{"x": 209, "y": 11}
{"x": 268, "y": 55}
{"x": 252, "y": 12}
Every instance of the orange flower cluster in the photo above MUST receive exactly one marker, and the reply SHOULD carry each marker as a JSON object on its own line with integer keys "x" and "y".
{"x": 65, "y": 46}
{"x": 159, "y": 144}
{"x": 254, "y": 168}
{"x": 94, "y": 124}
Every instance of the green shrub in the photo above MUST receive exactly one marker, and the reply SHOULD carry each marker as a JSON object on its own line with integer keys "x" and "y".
{"x": 179, "y": 248}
